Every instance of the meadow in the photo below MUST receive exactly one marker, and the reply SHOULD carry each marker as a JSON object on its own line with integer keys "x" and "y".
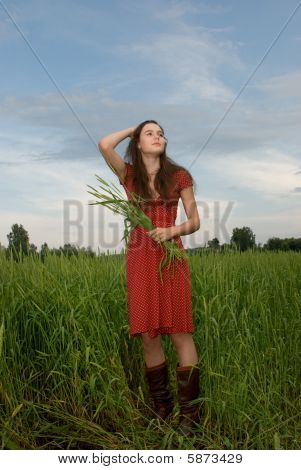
{"x": 72, "y": 378}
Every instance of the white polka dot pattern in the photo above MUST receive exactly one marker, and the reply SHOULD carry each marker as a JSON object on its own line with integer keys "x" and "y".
{"x": 153, "y": 306}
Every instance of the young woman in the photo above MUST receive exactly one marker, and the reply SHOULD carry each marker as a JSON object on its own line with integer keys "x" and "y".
{"x": 158, "y": 308}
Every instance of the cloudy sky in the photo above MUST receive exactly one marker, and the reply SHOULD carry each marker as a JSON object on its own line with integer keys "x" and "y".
{"x": 222, "y": 77}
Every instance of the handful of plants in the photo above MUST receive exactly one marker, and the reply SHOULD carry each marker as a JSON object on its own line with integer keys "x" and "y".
{"x": 111, "y": 197}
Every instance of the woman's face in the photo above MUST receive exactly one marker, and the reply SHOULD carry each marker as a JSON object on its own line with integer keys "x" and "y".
{"x": 151, "y": 139}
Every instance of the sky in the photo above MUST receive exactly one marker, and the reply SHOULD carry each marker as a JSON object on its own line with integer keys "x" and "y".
{"x": 223, "y": 78}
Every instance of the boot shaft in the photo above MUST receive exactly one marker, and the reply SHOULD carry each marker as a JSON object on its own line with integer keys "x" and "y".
{"x": 188, "y": 391}
{"x": 188, "y": 383}
{"x": 157, "y": 378}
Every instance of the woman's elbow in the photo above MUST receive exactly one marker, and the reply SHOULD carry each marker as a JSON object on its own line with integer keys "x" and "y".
{"x": 102, "y": 144}
{"x": 195, "y": 224}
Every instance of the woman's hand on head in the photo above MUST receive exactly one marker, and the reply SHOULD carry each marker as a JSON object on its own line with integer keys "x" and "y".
{"x": 132, "y": 131}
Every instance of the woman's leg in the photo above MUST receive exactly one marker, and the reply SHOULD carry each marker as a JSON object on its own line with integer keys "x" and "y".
{"x": 157, "y": 376}
{"x": 188, "y": 375}
{"x": 153, "y": 351}
{"x": 185, "y": 348}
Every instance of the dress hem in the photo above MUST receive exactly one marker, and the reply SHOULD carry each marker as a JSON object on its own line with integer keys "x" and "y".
{"x": 161, "y": 331}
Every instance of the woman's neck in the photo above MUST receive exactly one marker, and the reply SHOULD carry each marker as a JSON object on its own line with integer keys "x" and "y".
{"x": 152, "y": 164}
{"x": 153, "y": 172}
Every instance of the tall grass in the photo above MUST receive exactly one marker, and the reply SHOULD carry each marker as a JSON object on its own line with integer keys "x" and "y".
{"x": 71, "y": 377}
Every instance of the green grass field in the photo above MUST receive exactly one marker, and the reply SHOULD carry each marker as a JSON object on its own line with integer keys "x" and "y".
{"x": 72, "y": 378}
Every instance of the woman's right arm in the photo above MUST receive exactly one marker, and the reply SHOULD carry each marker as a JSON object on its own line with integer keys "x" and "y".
{"x": 107, "y": 145}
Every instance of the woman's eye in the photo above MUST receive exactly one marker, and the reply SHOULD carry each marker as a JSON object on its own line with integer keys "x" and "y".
{"x": 150, "y": 134}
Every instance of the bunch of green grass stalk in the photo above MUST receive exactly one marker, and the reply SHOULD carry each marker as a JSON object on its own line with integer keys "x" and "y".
{"x": 112, "y": 198}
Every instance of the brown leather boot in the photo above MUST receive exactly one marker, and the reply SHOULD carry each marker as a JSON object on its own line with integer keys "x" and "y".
{"x": 157, "y": 378}
{"x": 188, "y": 390}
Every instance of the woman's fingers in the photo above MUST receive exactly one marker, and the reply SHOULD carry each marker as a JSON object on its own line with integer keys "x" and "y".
{"x": 157, "y": 234}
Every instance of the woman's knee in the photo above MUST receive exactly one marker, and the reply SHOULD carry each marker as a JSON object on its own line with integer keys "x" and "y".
{"x": 181, "y": 339}
{"x": 149, "y": 342}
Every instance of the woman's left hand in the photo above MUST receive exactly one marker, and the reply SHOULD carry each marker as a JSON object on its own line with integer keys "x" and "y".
{"x": 162, "y": 234}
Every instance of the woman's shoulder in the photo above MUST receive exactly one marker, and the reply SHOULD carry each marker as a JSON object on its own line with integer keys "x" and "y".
{"x": 180, "y": 171}
{"x": 183, "y": 178}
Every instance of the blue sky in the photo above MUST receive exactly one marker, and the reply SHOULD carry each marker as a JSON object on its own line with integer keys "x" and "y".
{"x": 118, "y": 63}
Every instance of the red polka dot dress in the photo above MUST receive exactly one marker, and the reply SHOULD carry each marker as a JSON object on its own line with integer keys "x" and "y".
{"x": 153, "y": 306}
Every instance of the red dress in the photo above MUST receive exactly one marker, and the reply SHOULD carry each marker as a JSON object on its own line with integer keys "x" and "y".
{"x": 153, "y": 306}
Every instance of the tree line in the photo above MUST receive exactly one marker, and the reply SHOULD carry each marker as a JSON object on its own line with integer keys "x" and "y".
{"x": 19, "y": 246}
{"x": 242, "y": 239}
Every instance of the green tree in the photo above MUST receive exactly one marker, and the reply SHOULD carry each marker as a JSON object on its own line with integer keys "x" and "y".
{"x": 243, "y": 238}
{"x": 69, "y": 250}
{"x": 274, "y": 243}
{"x": 18, "y": 241}
{"x": 214, "y": 243}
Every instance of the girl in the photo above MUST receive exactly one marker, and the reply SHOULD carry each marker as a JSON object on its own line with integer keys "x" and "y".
{"x": 158, "y": 308}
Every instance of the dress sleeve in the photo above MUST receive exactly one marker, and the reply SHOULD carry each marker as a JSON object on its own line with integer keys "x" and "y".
{"x": 184, "y": 180}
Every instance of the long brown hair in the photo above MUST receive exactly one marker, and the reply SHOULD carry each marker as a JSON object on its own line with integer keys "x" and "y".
{"x": 163, "y": 182}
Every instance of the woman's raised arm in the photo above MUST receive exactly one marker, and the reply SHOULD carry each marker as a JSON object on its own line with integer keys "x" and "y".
{"x": 107, "y": 148}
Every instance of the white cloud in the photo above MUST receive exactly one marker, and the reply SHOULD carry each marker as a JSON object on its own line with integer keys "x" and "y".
{"x": 282, "y": 86}
{"x": 271, "y": 173}
{"x": 189, "y": 59}
{"x": 40, "y": 227}
{"x": 284, "y": 223}
{"x": 50, "y": 109}
{"x": 178, "y": 9}
{"x": 6, "y": 31}
{"x": 189, "y": 63}
{"x": 56, "y": 199}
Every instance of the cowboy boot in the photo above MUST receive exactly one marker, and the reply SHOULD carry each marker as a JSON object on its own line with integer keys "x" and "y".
{"x": 188, "y": 390}
{"x": 157, "y": 378}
